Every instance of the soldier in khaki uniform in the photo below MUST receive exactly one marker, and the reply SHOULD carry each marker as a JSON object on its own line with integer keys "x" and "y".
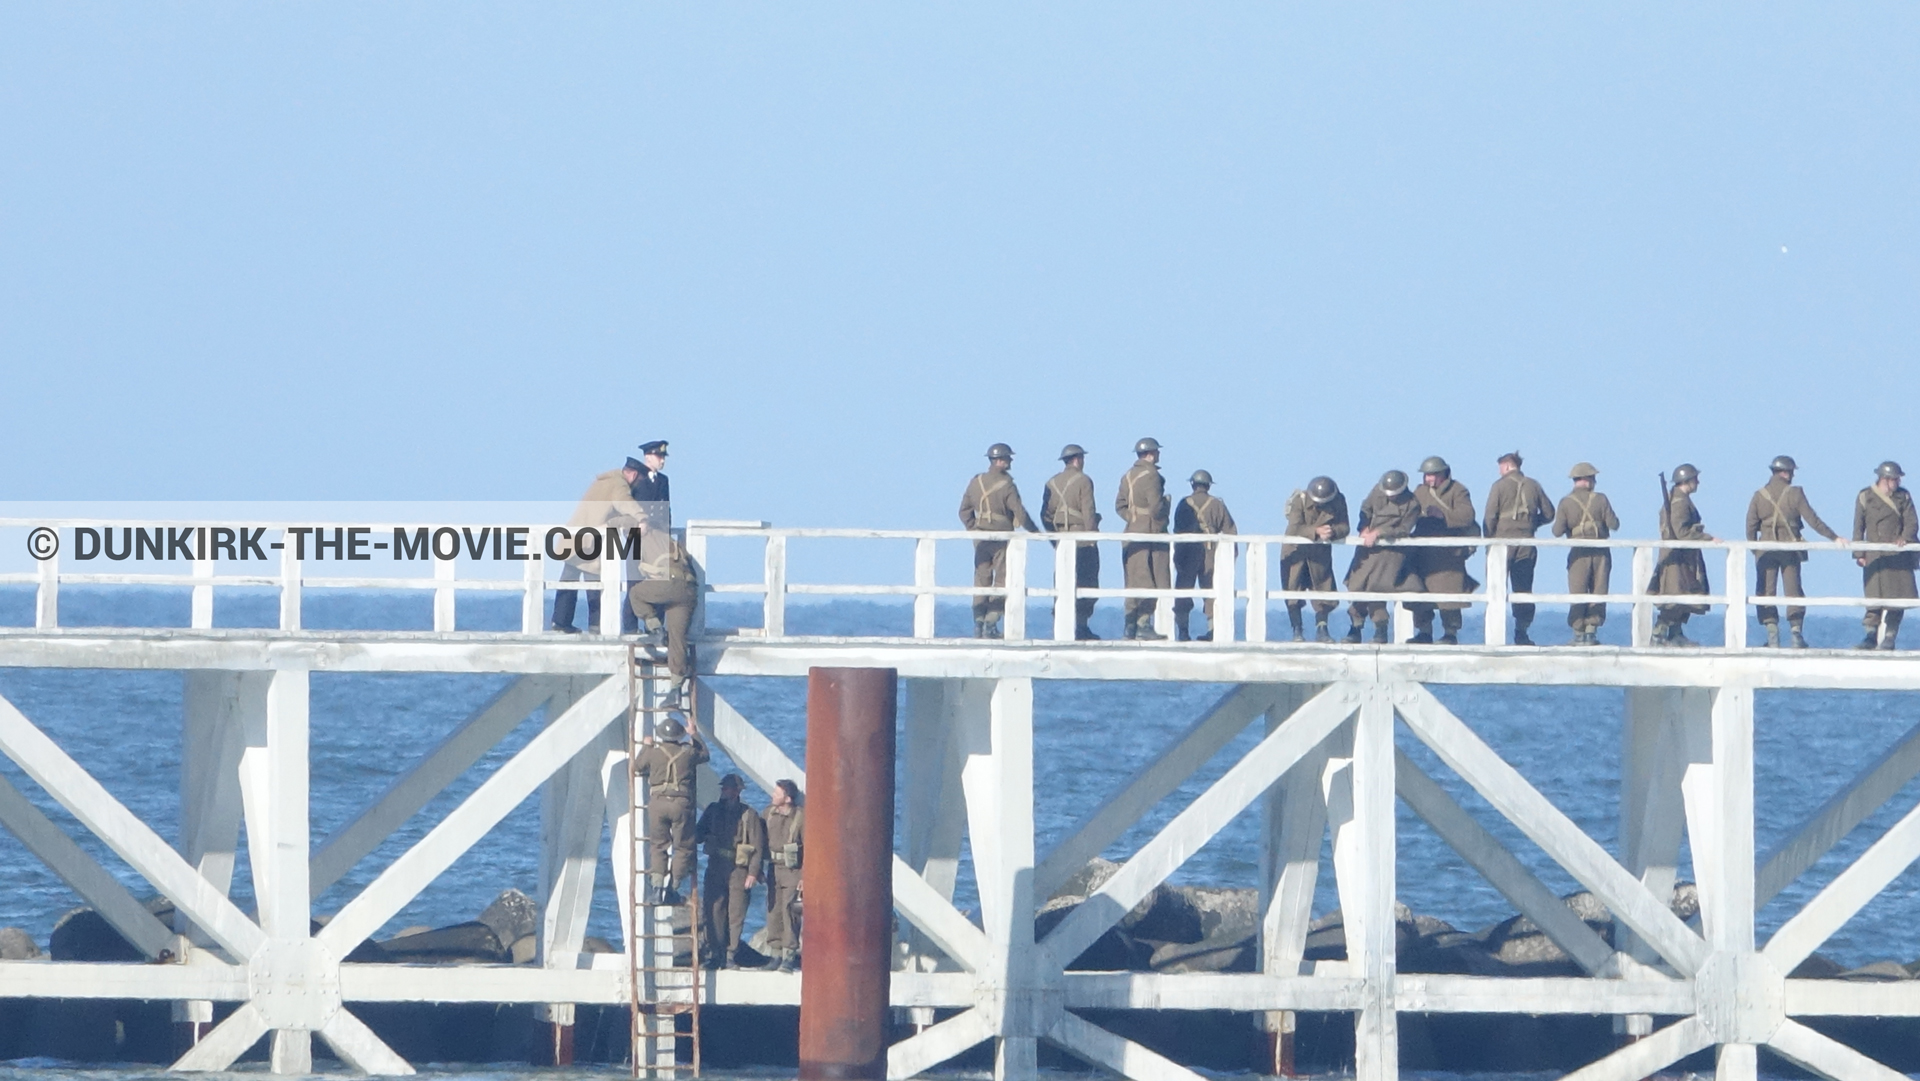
{"x": 1200, "y": 512}
{"x": 609, "y": 503}
{"x": 1388, "y": 513}
{"x": 1143, "y": 505}
{"x": 1446, "y": 510}
{"x": 786, "y": 846}
{"x": 1775, "y": 513}
{"x": 669, "y": 768}
{"x": 992, "y": 503}
{"x": 1883, "y": 514}
{"x": 1680, "y": 570}
{"x": 1586, "y": 515}
{"x": 1067, "y": 507}
{"x": 1320, "y": 510}
{"x": 736, "y": 843}
{"x": 1517, "y": 507}
{"x": 662, "y": 600}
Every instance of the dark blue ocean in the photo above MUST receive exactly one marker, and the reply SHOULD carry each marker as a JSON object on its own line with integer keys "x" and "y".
{"x": 124, "y": 727}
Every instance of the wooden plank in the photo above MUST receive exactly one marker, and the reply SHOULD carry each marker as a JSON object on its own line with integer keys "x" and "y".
{"x": 124, "y": 833}
{"x": 1648, "y": 1055}
{"x": 774, "y": 620}
{"x": 204, "y": 980}
{"x": 1485, "y": 854}
{"x": 46, "y": 597}
{"x": 1225, "y": 598}
{"x": 936, "y": 917}
{"x": 82, "y": 873}
{"x": 1013, "y": 621}
{"x": 1498, "y": 609}
{"x": 1843, "y": 998}
{"x": 1296, "y": 827}
{"x": 1257, "y": 599}
{"x": 1847, "y": 894}
{"x": 924, "y": 579}
{"x": 227, "y": 1041}
{"x": 1151, "y": 783}
{"x": 917, "y": 1054}
{"x": 476, "y": 815}
{"x": 1826, "y": 1056}
{"x": 1736, "y": 594}
{"x": 1208, "y": 991}
{"x": 1100, "y": 1047}
{"x": 1539, "y": 996}
{"x": 1837, "y": 817}
{"x": 1514, "y": 797}
{"x": 1365, "y": 857}
{"x": 1198, "y": 822}
{"x": 359, "y": 1048}
{"x": 761, "y": 759}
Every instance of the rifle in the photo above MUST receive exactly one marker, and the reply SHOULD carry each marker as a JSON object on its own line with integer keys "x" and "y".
{"x": 1666, "y": 531}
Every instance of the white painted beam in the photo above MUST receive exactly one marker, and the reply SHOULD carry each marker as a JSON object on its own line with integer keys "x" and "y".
{"x": 81, "y": 872}
{"x": 89, "y": 979}
{"x": 1209, "y": 991}
{"x": 1546, "y": 995}
{"x": 936, "y": 918}
{"x": 227, "y": 1041}
{"x": 759, "y": 758}
{"x": 919, "y": 1053}
{"x": 1296, "y": 826}
{"x": 1847, "y": 894}
{"x": 1837, "y": 817}
{"x": 1100, "y": 1047}
{"x": 1158, "y": 778}
{"x": 1826, "y": 1056}
{"x": 359, "y": 1048}
{"x": 1648, "y": 1055}
{"x": 1364, "y": 855}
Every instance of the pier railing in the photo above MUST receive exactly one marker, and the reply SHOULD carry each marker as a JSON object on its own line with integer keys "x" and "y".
{"x": 1040, "y": 567}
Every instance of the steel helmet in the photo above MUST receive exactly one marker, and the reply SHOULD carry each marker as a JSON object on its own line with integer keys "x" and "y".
{"x": 1149, "y": 445}
{"x": 1072, "y": 450}
{"x": 671, "y": 728}
{"x": 1000, "y": 450}
{"x": 1583, "y": 469}
{"x": 1783, "y": 464}
{"x": 1393, "y": 482}
{"x": 1201, "y": 476}
{"x": 1322, "y": 489}
{"x": 733, "y": 780}
{"x": 1685, "y": 473}
{"x": 1889, "y": 469}
{"x": 1435, "y": 464}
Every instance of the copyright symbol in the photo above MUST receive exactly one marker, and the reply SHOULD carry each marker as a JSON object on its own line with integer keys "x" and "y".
{"x": 43, "y": 543}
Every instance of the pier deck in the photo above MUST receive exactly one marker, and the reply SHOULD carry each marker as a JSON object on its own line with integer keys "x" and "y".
{"x": 1326, "y": 763}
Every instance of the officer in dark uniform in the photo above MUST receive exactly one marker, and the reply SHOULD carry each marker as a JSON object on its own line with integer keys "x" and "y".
{"x": 651, "y": 490}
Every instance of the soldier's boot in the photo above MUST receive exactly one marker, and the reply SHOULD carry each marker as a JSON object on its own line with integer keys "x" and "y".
{"x": 994, "y": 628}
{"x": 1773, "y": 635}
{"x": 1082, "y": 632}
{"x": 1145, "y": 632}
{"x": 1449, "y": 628}
{"x": 979, "y": 627}
{"x": 1129, "y": 627}
{"x": 1181, "y": 633}
{"x": 1888, "y": 639}
{"x": 1520, "y": 632}
{"x": 1677, "y": 636}
{"x": 1382, "y": 634}
{"x": 1423, "y": 632}
{"x": 1297, "y": 619}
{"x": 1795, "y": 639}
{"x": 1320, "y": 632}
{"x": 1353, "y": 633}
{"x": 789, "y": 961}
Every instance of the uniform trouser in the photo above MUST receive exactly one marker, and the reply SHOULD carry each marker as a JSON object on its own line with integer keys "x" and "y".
{"x": 1309, "y": 572}
{"x": 566, "y": 601}
{"x": 989, "y": 569}
{"x": 1443, "y": 579}
{"x": 671, "y": 603}
{"x": 1521, "y": 563}
{"x": 1146, "y": 564}
{"x": 1191, "y": 571}
{"x": 1086, "y": 575}
{"x": 724, "y": 895}
{"x": 1890, "y": 582}
{"x": 670, "y": 829}
{"x": 1783, "y": 569}
{"x": 1589, "y": 570}
{"x": 1361, "y": 611}
{"x": 783, "y": 933}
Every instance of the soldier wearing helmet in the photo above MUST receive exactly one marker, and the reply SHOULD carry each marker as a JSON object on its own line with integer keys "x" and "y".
{"x": 1517, "y": 507}
{"x": 1777, "y": 513}
{"x": 1446, "y": 510}
{"x": 1883, "y": 514}
{"x": 1143, "y": 505}
{"x": 736, "y": 842}
{"x": 668, "y": 767}
{"x": 1680, "y": 570}
{"x": 1320, "y": 511}
{"x": 1388, "y": 513}
{"x": 1200, "y": 512}
{"x": 1067, "y": 507}
{"x": 1586, "y": 514}
{"x": 991, "y": 503}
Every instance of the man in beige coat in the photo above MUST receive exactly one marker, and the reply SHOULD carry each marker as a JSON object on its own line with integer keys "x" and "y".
{"x": 1067, "y": 507}
{"x": 991, "y": 503}
{"x": 1778, "y": 512}
{"x": 1143, "y": 506}
{"x": 609, "y": 503}
{"x": 1200, "y": 512}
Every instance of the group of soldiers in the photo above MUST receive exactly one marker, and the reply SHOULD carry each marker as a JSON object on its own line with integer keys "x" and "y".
{"x": 744, "y": 849}
{"x": 1439, "y": 506}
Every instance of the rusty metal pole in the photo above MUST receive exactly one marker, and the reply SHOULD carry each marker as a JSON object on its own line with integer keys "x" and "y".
{"x": 848, "y": 937}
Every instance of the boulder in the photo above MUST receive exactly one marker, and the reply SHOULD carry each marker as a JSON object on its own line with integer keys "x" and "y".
{"x": 471, "y": 942}
{"x": 84, "y": 935}
{"x": 17, "y": 945}
{"x": 1878, "y": 972}
{"x": 512, "y": 916}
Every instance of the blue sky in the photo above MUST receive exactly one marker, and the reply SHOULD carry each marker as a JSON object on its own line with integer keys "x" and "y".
{"x": 478, "y": 251}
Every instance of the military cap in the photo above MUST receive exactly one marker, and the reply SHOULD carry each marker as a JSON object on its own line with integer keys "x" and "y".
{"x": 1583, "y": 469}
{"x": 1322, "y": 489}
{"x": 1146, "y": 446}
{"x": 656, "y": 446}
{"x": 635, "y": 464}
{"x": 671, "y": 728}
{"x": 1889, "y": 469}
{"x": 733, "y": 779}
{"x": 1685, "y": 473}
{"x": 1201, "y": 476}
{"x": 1783, "y": 464}
{"x": 1000, "y": 450}
{"x": 1072, "y": 450}
{"x": 1435, "y": 464}
{"x": 1393, "y": 482}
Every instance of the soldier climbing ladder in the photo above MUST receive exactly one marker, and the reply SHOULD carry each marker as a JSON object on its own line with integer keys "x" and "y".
{"x": 665, "y": 983}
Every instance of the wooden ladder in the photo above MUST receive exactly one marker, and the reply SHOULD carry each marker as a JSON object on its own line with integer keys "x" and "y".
{"x": 664, "y": 990}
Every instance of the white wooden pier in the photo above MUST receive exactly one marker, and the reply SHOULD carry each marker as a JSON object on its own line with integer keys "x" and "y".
{"x": 1327, "y": 762}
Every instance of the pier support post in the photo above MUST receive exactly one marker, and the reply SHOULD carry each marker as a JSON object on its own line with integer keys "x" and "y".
{"x": 1736, "y": 984}
{"x": 573, "y": 805}
{"x": 939, "y": 714}
{"x": 844, "y": 984}
{"x": 1665, "y": 731}
{"x": 1360, "y": 807}
{"x": 274, "y": 783}
{"x": 217, "y": 705}
{"x": 1296, "y": 825}
{"x": 998, "y": 780}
